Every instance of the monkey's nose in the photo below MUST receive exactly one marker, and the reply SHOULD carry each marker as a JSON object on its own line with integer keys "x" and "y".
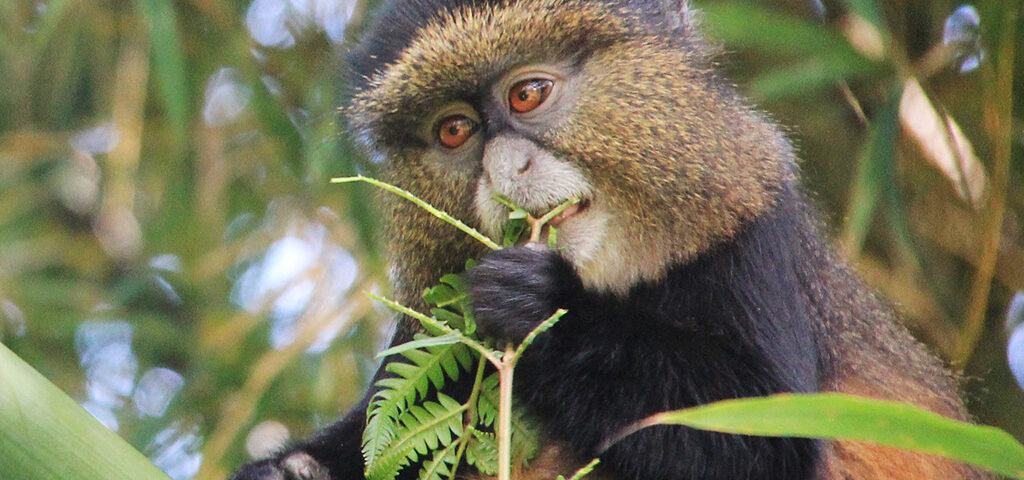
{"x": 508, "y": 156}
{"x": 526, "y": 165}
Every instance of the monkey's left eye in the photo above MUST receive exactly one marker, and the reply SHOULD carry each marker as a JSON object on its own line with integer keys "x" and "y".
{"x": 527, "y": 95}
{"x": 454, "y": 130}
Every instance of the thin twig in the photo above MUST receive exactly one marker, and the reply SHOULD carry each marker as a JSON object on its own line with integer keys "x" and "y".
{"x": 586, "y": 469}
{"x": 424, "y": 205}
{"x": 435, "y": 323}
{"x": 539, "y": 329}
{"x": 537, "y": 224}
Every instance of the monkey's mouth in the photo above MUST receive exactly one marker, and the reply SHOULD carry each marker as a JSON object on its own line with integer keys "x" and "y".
{"x": 570, "y": 211}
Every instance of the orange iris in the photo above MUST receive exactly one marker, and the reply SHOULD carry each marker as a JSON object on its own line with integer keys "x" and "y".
{"x": 527, "y": 95}
{"x": 453, "y": 131}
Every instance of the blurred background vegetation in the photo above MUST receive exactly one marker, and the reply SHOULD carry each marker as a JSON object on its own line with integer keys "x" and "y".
{"x": 173, "y": 257}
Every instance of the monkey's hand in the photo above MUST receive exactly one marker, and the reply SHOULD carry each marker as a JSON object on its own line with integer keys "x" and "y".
{"x": 294, "y": 466}
{"x": 515, "y": 289}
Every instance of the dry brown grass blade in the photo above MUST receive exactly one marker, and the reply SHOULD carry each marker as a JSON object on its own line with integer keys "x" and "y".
{"x": 942, "y": 143}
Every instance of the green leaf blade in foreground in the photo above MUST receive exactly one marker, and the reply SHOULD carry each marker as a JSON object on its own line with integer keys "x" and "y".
{"x": 848, "y": 417}
{"x": 44, "y": 434}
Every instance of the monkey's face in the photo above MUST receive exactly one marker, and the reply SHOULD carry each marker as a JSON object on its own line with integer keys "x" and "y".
{"x": 540, "y": 101}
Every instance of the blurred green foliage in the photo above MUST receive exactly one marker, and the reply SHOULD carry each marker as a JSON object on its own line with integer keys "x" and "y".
{"x": 164, "y": 185}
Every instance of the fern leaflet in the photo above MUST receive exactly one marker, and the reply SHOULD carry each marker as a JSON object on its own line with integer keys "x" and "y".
{"x": 411, "y": 382}
{"x": 439, "y": 466}
{"x": 425, "y": 427}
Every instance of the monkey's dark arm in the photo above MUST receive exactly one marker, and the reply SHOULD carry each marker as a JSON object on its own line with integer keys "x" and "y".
{"x": 332, "y": 454}
{"x": 335, "y": 453}
{"x": 732, "y": 325}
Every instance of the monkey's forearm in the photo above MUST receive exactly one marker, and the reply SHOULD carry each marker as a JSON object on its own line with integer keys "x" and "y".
{"x": 333, "y": 454}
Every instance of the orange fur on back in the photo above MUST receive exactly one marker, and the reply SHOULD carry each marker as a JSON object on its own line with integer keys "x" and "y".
{"x": 846, "y": 460}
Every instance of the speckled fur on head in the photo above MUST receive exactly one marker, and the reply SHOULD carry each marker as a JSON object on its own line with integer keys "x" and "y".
{"x": 653, "y": 129}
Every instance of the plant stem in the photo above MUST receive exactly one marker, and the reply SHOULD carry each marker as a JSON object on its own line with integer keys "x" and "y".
{"x": 583, "y": 471}
{"x": 537, "y": 224}
{"x": 997, "y": 98}
{"x": 424, "y": 205}
{"x": 505, "y": 371}
{"x": 439, "y": 325}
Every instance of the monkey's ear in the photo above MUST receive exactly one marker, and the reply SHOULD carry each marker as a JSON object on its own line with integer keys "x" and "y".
{"x": 678, "y": 15}
{"x": 675, "y": 18}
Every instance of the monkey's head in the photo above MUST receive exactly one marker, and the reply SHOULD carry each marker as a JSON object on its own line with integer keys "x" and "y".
{"x": 615, "y": 102}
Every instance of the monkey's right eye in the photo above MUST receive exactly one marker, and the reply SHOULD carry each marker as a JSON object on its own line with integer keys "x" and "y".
{"x": 454, "y": 130}
{"x": 527, "y": 95}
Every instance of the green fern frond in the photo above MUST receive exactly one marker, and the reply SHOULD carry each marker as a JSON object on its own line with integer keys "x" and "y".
{"x": 439, "y": 467}
{"x": 482, "y": 452}
{"x": 423, "y": 428}
{"x": 379, "y": 432}
{"x": 410, "y": 383}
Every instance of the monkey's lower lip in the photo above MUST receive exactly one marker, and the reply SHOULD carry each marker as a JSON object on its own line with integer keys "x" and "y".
{"x": 570, "y": 211}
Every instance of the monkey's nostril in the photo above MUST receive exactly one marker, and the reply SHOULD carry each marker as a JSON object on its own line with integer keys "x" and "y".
{"x": 526, "y": 166}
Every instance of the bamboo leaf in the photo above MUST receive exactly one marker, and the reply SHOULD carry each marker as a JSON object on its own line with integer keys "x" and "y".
{"x": 874, "y": 174}
{"x": 813, "y": 73}
{"x": 847, "y": 417}
{"x": 44, "y": 434}
{"x": 776, "y": 34}
{"x": 943, "y": 143}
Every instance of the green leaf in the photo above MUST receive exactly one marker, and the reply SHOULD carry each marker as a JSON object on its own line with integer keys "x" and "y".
{"x": 552, "y": 238}
{"x": 441, "y": 295}
{"x": 421, "y": 343}
{"x": 813, "y": 73}
{"x": 847, "y": 417}
{"x": 874, "y": 174}
{"x": 168, "y": 59}
{"x": 455, "y": 281}
{"x": 514, "y": 230}
{"x": 453, "y": 319}
{"x": 583, "y": 471}
{"x": 524, "y": 437}
{"x": 44, "y": 434}
{"x": 776, "y": 34}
